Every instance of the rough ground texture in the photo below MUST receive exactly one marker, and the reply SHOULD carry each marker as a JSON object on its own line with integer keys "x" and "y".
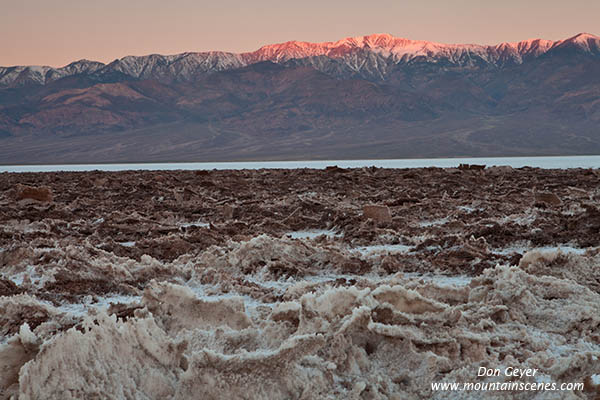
{"x": 274, "y": 284}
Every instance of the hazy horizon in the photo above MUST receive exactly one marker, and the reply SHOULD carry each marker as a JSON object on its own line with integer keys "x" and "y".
{"x": 63, "y": 31}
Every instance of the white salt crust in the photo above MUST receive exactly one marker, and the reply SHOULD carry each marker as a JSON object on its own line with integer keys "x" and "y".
{"x": 224, "y": 325}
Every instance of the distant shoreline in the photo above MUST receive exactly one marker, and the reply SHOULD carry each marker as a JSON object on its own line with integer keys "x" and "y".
{"x": 545, "y": 162}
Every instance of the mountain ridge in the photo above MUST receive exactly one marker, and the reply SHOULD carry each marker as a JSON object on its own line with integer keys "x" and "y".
{"x": 373, "y": 96}
{"x": 385, "y": 47}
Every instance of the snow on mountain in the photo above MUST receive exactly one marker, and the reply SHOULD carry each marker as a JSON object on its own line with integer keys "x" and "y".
{"x": 16, "y": 75}
{"x": 405, "y": 50}
{"x": 584, "y": 42}
{"x": 399, "y": 49}
{"x": 402, "y": 50}
{"x": 371, "y": 55}
{"x": 519, "y": 51}
{"x": 183, "y": 66}
{"x": 22, "y": 75}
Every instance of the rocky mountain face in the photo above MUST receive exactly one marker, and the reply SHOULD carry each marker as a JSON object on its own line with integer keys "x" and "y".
{"x": 371, "y": 96}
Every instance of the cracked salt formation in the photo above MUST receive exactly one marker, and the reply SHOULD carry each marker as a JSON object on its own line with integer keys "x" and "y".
{"x": 385, "y": 340}
{"x": 328, "y": 338}
{"x": 237, "y": 309}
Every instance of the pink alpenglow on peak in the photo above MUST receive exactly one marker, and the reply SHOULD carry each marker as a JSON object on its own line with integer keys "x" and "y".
{"x": 360, "y": 53}
{"x": 401, "y": 49}
{"x": 584, "y": 41}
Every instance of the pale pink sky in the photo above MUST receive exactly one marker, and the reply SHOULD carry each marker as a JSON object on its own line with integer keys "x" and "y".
{"x": 43, "y": 32}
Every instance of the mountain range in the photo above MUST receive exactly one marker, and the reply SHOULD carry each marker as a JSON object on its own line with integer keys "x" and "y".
{"x": 374, "y": 96}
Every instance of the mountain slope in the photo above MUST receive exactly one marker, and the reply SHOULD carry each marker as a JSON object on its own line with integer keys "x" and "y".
{"x": 373, "y": 54}
{"x": 371, "y": 96}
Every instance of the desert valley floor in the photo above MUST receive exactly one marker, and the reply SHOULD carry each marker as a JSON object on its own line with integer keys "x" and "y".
{"x": 298, "y": 284}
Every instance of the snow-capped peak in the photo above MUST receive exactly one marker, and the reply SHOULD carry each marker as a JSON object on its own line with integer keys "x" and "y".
{"x": 371, "y": 53}
{"x": 584, "y": 41}
{"x": 401, "y": 49}
{"x": 583, "y": 37}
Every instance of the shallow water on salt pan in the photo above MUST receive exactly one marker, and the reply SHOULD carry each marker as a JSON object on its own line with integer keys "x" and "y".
{"x": 209, "y": 293}
{"x": 197, "y": 223}
{"x": 311, "y": 234}
{"x": 382, "y": 248}
{"x": 280, "y": 286}
{"x": 435, "y": 222}
{"x": 515, "y": 162}
{"x": 80, "y": 309}
{"x": 523, "y": 249}
{"x": 19, "y": 278}
{"x": 442, "y": 280}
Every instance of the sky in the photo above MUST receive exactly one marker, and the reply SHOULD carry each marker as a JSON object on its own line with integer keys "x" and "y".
{"x": 57, "y": 32}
